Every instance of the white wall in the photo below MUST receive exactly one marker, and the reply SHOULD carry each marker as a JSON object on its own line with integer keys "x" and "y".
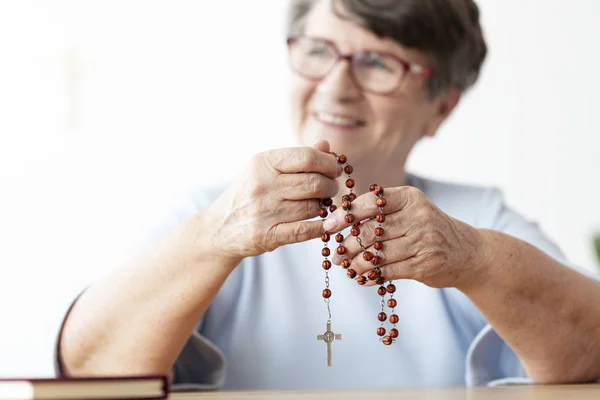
{"x": 102, "y": 101}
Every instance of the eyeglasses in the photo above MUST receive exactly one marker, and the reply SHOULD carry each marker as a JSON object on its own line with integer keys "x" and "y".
{"x": 374, "y": 72}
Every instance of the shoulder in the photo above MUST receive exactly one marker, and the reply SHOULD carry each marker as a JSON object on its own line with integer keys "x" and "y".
{"x": 484, "y": 207}
{"x": 477, "y": 205}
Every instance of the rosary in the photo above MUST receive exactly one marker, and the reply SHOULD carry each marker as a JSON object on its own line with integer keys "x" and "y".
{"x": 374, "y": 274}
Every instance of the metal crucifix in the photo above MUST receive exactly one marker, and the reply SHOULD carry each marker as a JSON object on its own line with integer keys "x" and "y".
{"x": 328, "y": 337}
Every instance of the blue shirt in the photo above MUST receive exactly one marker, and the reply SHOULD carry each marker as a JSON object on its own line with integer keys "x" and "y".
{"x": 260, "y": 331}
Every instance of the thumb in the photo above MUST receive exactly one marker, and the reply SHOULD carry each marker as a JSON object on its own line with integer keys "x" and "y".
{"x": 322, "y": 145}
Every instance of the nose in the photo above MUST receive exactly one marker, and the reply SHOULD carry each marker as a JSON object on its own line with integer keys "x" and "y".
{"x": 339, "y": 84}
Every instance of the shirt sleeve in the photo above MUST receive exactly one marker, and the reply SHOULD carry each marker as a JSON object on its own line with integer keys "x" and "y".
{"x": 200, "y": 366}
{"x": 490, "y": 361}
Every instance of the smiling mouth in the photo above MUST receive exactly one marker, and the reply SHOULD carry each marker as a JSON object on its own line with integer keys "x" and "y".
{"x": 337, "y": 120}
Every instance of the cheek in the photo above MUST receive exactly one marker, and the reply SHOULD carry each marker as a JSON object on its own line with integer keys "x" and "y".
{"x": 301, "y": 92}
{"x": 398, "y": 119}
{"x": 391, "y": 115}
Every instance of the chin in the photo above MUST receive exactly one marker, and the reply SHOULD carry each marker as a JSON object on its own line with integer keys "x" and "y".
{"x": 354, "y": 148}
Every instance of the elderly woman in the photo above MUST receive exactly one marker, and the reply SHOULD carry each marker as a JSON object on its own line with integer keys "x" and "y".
{"x": 230, "y": 294}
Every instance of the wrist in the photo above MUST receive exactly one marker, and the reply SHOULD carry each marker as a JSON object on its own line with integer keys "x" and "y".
{"x": 478, "y": 267}
{"x": 206, "y": 242}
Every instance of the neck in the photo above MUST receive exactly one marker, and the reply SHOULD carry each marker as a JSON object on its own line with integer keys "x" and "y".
{"x": 385, "y": 172}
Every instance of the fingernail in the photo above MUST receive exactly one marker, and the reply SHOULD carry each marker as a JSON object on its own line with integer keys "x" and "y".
{"x": 330, "y": 223}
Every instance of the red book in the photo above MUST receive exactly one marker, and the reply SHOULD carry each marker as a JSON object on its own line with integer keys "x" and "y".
{"x": 127, "y": 387}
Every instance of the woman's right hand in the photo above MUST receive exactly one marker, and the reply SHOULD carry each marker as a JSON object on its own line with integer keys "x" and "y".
{"x": 268, "y": 206}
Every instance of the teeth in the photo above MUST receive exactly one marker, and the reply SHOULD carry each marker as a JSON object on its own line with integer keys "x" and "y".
{"x": 332, "y": 119}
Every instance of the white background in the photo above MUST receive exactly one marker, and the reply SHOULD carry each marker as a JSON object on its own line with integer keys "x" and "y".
{"x": 101, "y": 101}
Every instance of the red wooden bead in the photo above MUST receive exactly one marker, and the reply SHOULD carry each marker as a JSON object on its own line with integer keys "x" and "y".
{"x": 391, "y": 288}
{"x": 351, "y": 273}
{"x": 346, "y": 263}
{"x": 372, "y": 187}
{"x": 367, "y": 256}
{"x": 341, "y": 250}
{"x": 381, "y": 202}
{"x": 346, "y": 205}
{"x": 380, "y": 280}
{"x": 373, "y": 274}
{"x": 361, "y": 280}
{"x": 394, "y": 333}
{"x": 379, "y": 231}
{"x": 352, "y": 196}
{"x": 348, "y": 169}
{"x": 381, "y": 291}
{"x": 376, "y": 260}
{"x": 332, "y": 207}
{"x": 382, "y": 316}
{"x": 347, "y": 197}
{"x": 380, "y": 331}
{"x": 392, "y": 303}
{"x": 379, "y": 191}
{"x": 325, "y": 237}
{"x": 327, "y": 202}
{"x": 380, "y": 218}
{"x": 339, "y": 238}
{"x": 394, "y": 319}
{"x": 322, "y": 212}
{"x": 355, "y": 231}
{"x": 342, "y": 159}
{"x": 387, "y": 340}
{"x": 326, "y": 264}
{"x": 378, "y": 245}
{"x": 326, "y": 293}
{"x": 350, "y": 183}
{"x": 349, "y": 218}
{"x": 325, "y": 252}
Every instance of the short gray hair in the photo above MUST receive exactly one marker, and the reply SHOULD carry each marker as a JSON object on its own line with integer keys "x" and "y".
{"x": 447, "y": 31}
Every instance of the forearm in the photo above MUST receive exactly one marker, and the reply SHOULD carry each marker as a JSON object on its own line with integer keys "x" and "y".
{"x": 137, "y": 320}
{"x": 549, "y": 314}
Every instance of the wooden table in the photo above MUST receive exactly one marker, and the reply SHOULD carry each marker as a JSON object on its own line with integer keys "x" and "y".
{"x": 558, "y": 392}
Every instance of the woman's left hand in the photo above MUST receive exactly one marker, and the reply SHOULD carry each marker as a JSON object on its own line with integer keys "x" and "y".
{"x": 420, "y": 242}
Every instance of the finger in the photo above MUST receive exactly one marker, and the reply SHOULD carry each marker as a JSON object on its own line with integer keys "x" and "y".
{"x": 295, "y": 232}
{"x": 404, "y": 269}
{"x": 365, "y": 207}
{"x": 393, "y": 251}
{"x": 395, "y": 225}
{"x": 306, "y": 186}
{"x": 322, "y": 145}
{"x": 296, "y": 210}
{"x": 304, "y": 159}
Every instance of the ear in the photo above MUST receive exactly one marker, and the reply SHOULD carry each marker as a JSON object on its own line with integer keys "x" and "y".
{"x": 442, "y": 107}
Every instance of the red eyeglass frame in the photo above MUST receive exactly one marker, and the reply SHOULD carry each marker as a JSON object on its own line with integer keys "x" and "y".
{"x": 408, "y": 66}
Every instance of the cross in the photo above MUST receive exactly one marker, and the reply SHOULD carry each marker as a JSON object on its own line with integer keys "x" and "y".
{"x": 328, "y": 337}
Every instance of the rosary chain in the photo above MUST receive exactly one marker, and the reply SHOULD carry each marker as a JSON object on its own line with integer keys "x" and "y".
{"x": 375, "y": 274}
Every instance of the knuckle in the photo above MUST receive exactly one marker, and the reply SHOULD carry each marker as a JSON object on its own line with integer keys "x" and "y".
{"x": 423, "y": 214}
{"x": 307, "y": 156}
{"x": 312, "y": 209}
{"x": 257, "y": 161}
{"x": 412, "y": 195}
{"x": 301, "y": 232}
{"x": 313, "y": 184}
{"x": 403, "y": 193}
